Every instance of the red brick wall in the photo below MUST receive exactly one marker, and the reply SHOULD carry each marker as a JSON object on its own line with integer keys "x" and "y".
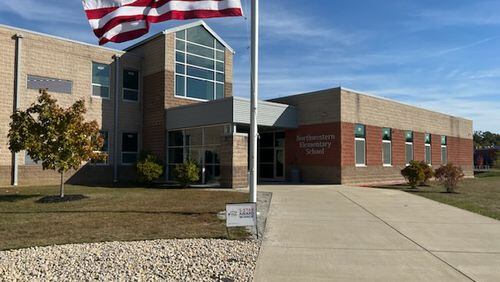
{"x": 459, "y": 152}
{"x": 373, "y": 145}
{"x": 347, "y": 141}
{"x": 418, "y": 146}
{"x": 314, "y": 166}
{"x": 436, "y": 150}
{"x": 398, "y": 147}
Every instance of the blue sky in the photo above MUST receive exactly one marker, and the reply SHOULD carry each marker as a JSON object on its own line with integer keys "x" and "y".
{"x": 442, "y": 55}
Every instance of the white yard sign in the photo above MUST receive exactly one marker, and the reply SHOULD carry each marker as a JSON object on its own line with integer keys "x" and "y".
{"x": 241, "y": 215}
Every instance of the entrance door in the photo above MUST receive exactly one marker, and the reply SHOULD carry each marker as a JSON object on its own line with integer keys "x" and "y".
{"x": 272, "y": 156}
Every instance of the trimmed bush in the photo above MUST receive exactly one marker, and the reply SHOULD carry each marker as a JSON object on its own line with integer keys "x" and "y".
{"x": 413, "y": 174}
{"x": 148, "y": 168}
{"x": 187, "y": 173}
{"x": 449, "y": 176}
{"x": 428, "y": 173}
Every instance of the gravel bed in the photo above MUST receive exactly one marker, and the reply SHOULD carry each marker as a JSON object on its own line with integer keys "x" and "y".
{"x": 158, "y": 260}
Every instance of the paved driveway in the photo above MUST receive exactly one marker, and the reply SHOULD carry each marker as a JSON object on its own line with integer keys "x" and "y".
{"x": 338, "y": 233}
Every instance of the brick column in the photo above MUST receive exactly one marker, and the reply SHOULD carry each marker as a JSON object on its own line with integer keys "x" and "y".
{"x": 234, "y": 161}
{"x": 373, "y": 145}
{"x": 418, "y": 146}
{"x": 398, "y": 147}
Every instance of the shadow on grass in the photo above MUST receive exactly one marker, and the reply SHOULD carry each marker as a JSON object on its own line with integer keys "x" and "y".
{"x": 15, "y": 198}
{"x": 117, "y": 212}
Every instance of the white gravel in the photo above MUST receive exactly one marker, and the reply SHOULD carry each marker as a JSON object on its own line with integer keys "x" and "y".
{"x": 165, "y": 260}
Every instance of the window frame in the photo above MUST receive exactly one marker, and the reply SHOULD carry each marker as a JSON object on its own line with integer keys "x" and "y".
{"x": 412, "y": 153}
{"x": 129, "y": 89}
{"x": 428, "y": 161}
{"x": 356, "y": 139}
{"x": 444, "y": 146}
{"x": 364, "y": 152}
{"x": 128, "y": 152}
{"x": 98, "y": 84}
{"x": 387, "y": 141}
{"x": 186, "y": 65}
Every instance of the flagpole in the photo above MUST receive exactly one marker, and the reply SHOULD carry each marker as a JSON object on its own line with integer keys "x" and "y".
{"x": 254, "y": 100}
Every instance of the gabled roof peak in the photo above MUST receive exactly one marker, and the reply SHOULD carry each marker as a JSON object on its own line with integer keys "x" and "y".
{"x": 183, "y": 27}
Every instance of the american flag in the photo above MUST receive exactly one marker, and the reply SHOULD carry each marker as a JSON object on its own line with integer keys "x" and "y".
{"x": 123, "y": 20}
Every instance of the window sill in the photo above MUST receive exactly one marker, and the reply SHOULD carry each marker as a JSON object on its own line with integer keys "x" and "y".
{"x": 387, "y": 165}
{"x": 192, "y": 99}
{"x": 101, "y": 98}
{"x": 361, "y": 165}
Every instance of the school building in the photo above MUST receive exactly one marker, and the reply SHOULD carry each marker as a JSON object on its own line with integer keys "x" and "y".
{"x": 172, "y": 95}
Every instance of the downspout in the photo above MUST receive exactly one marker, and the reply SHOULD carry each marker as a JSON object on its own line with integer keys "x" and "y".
{"x": 116, "y": 118}
{"x": 17, "y": 89}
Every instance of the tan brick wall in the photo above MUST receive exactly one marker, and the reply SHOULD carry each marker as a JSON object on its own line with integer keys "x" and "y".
{"x": 56, "y": 58}
{"x": 7, "y": 67}
{"x": 315, "y": 107}
{"x": 234, "y": 161}
{"x": 360, "y": 108}
{"x": 228, "y": 80}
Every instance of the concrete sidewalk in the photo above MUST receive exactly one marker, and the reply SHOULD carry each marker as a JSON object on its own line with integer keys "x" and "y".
{"x": 338, "y": 233}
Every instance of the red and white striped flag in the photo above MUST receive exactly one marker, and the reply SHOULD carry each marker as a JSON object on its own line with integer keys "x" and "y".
{"x": 123, "y": 20}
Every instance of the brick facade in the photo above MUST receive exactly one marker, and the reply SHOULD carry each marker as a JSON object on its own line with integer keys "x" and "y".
{"x": 58, "y": 58}
{"x": 234, "y": 161}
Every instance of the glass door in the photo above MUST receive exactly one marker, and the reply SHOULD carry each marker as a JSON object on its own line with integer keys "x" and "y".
{"x": 272, "y": 156}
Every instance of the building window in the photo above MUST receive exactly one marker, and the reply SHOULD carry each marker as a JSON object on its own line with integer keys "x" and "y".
{"x": 387, "y": 146}
{"x": 201, "y": 145}
{"x": 130, "y": 148}
{"x": 409, "y": 146}
{"x": 360, "y": 144}
{"x": 51, "y": 84}
{"x": 444, "y": 150}
{"x": 104, "y": 149}
{"x": 199, "y": 67}
{"x": 428, "y": 149}
{"x": 130, "y": 85}
{"x": 28, "y": 160}
{"x": 100, "y": 80}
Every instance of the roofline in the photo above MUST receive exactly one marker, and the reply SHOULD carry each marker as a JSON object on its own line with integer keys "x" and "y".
{"x": 61, "y": 38}
{"x": 340, "y": 88}
{"x": 179, "y": 28}
{"x": 399, "y": 102}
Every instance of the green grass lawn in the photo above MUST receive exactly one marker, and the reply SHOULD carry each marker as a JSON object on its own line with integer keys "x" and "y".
{"x": 111, "y": 214}
{"x": 480, "y": 195}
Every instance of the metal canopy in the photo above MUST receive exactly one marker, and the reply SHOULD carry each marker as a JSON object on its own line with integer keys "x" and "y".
{"x": 234, "y": 110}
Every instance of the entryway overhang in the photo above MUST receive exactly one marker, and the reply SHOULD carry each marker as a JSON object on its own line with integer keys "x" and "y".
{"x": 231, "y": 110}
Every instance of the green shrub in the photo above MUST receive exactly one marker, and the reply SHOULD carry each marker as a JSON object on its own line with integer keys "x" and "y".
{"x": 148, "y": 168}
{"x": 428, "y": 172}
{"x": 413, "y": 174}
{"x": 187, "y": 173}
{"x": 449, "y": 176}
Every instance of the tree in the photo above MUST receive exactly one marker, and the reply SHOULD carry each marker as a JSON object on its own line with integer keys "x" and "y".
{"x": 486, "y": 139}
{"x": 58, "y": 138}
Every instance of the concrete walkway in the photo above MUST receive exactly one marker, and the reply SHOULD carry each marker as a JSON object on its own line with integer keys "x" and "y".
{"x": 338, "y": 233}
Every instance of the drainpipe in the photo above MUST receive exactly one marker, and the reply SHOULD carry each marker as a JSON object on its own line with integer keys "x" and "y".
{"x": 116, "y": 117}
{"x": 17, "y": 89}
